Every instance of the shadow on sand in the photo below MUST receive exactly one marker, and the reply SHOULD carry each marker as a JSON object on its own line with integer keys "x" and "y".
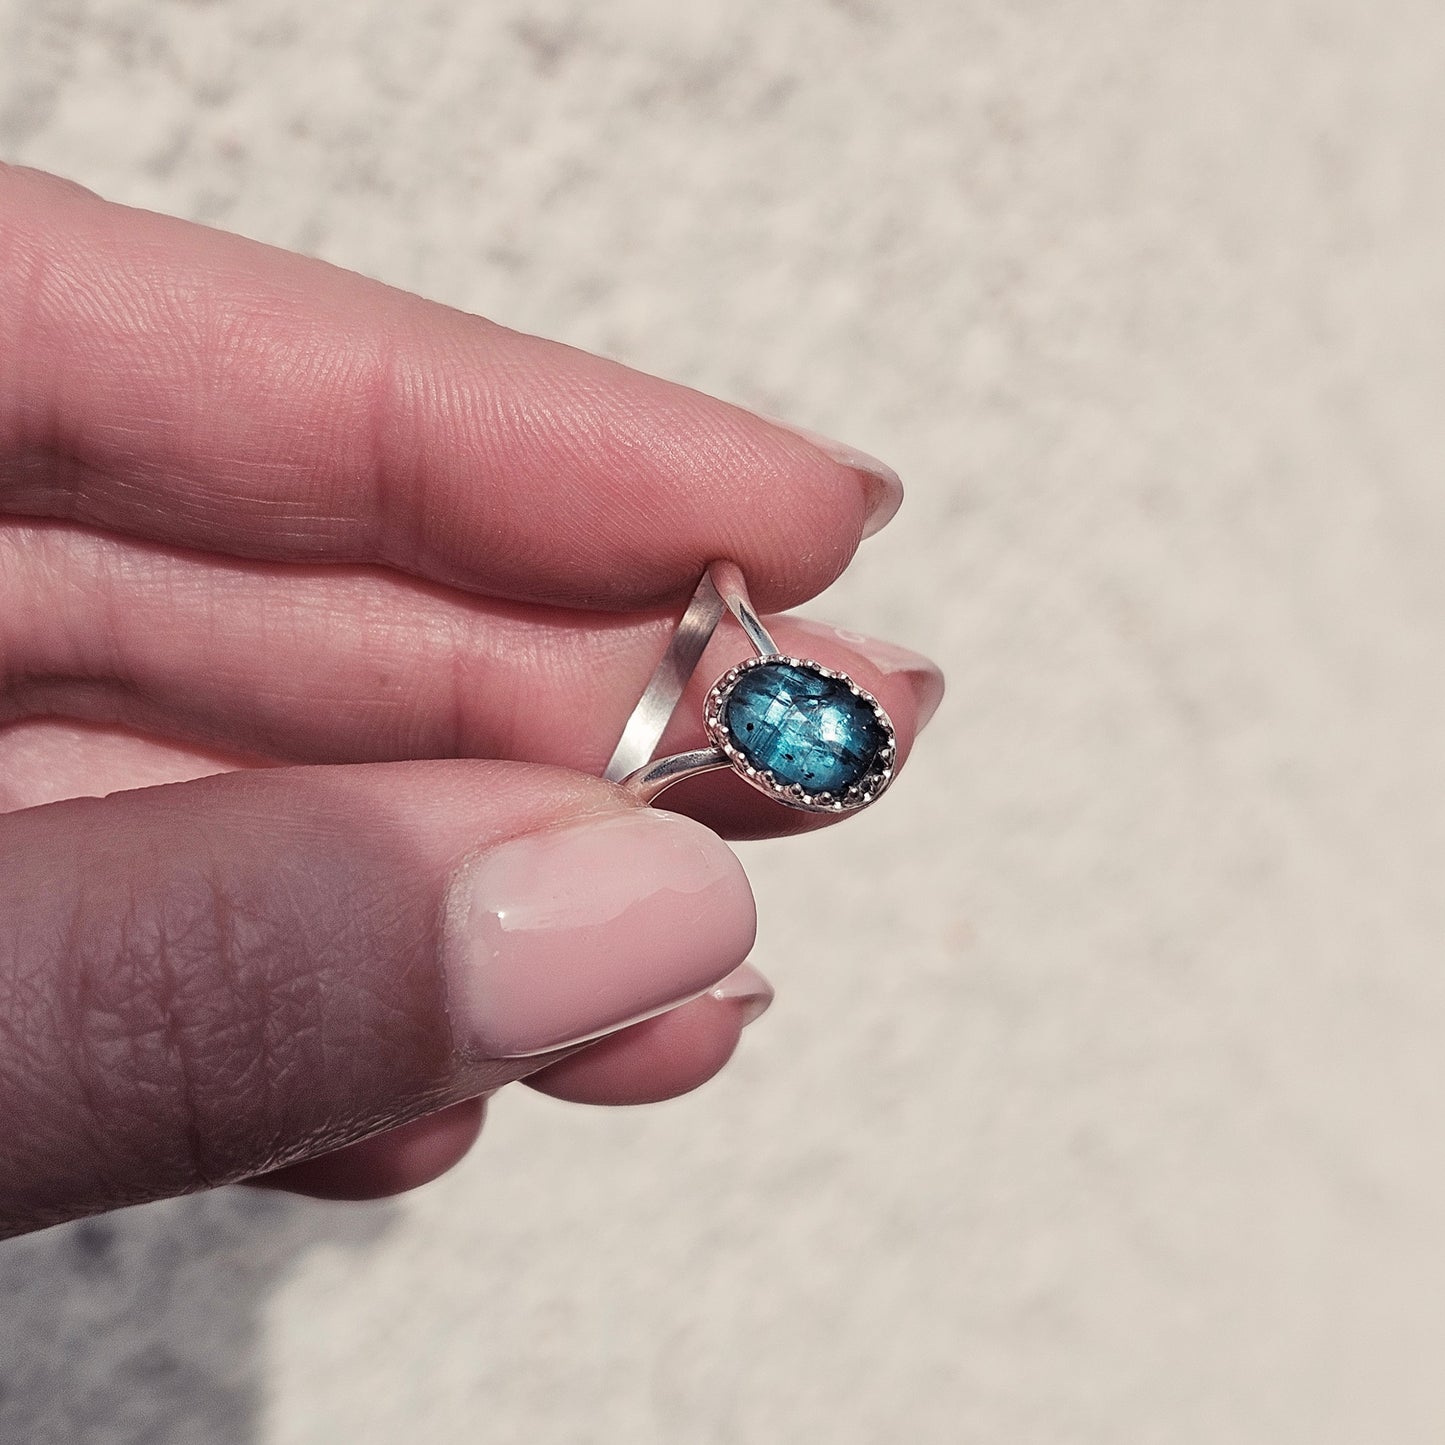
{"x": 144, "y": 1327}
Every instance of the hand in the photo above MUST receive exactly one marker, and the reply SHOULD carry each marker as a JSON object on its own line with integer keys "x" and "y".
{"x": 272, "y": 535}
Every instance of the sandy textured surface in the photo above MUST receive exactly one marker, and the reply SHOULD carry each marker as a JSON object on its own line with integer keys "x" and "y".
{"x": 1104, "y": 1096}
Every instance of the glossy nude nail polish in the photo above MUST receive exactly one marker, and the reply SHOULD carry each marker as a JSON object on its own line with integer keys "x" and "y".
{"x": 561, "y": 936}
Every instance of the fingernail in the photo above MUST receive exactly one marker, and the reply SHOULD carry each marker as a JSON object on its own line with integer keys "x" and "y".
{"x": 747, "y": 990}
{"x": 924, "y": 675}
{"x": 562, "y": 936}
{"x": 883, "y": 487}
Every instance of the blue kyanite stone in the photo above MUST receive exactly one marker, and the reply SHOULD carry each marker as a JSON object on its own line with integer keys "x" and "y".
{"x": 803, "y": 728}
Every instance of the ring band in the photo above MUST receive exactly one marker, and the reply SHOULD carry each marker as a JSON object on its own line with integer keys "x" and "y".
{"x": 804, "y": 734}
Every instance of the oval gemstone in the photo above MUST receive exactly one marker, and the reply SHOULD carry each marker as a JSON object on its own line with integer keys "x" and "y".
{"x": 803, "y": 728}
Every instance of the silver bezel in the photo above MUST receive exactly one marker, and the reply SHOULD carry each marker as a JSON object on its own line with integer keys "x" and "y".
{"x": 868, "y": 789}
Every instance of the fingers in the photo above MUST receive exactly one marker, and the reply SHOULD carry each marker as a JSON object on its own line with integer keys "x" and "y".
{"x": 344, "y": 665}
{"x": 665, "y": 1056}
{"x": 206, "y": 981}
{"x": 390, "y": 1163}
{"x": 49, "y": 759}
{"x": 657, "y": 1059}
{"x": 180, "y": 384}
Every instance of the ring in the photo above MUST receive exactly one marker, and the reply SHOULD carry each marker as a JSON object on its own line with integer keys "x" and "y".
{"x": 804, "y": 734}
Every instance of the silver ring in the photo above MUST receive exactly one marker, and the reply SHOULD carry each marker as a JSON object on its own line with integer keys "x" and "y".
{"x": 804, "y": 734}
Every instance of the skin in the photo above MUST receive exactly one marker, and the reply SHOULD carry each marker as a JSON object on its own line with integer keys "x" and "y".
{"x": 270, "y": 534}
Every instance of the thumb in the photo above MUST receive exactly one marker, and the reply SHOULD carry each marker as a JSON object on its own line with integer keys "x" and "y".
{"x": 207, "y": 980}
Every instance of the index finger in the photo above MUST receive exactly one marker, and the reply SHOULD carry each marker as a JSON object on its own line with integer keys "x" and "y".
{"x": 173, "y": 382}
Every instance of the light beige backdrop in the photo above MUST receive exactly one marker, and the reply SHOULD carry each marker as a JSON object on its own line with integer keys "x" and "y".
{"x": 1104, "y": 1097}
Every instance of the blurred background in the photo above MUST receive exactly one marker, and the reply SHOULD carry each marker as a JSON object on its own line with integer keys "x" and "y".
{"x": 1104, "y": 1094}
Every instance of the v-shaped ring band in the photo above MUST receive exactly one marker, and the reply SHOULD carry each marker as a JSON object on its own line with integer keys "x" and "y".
{"x": 802, "y": 733}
